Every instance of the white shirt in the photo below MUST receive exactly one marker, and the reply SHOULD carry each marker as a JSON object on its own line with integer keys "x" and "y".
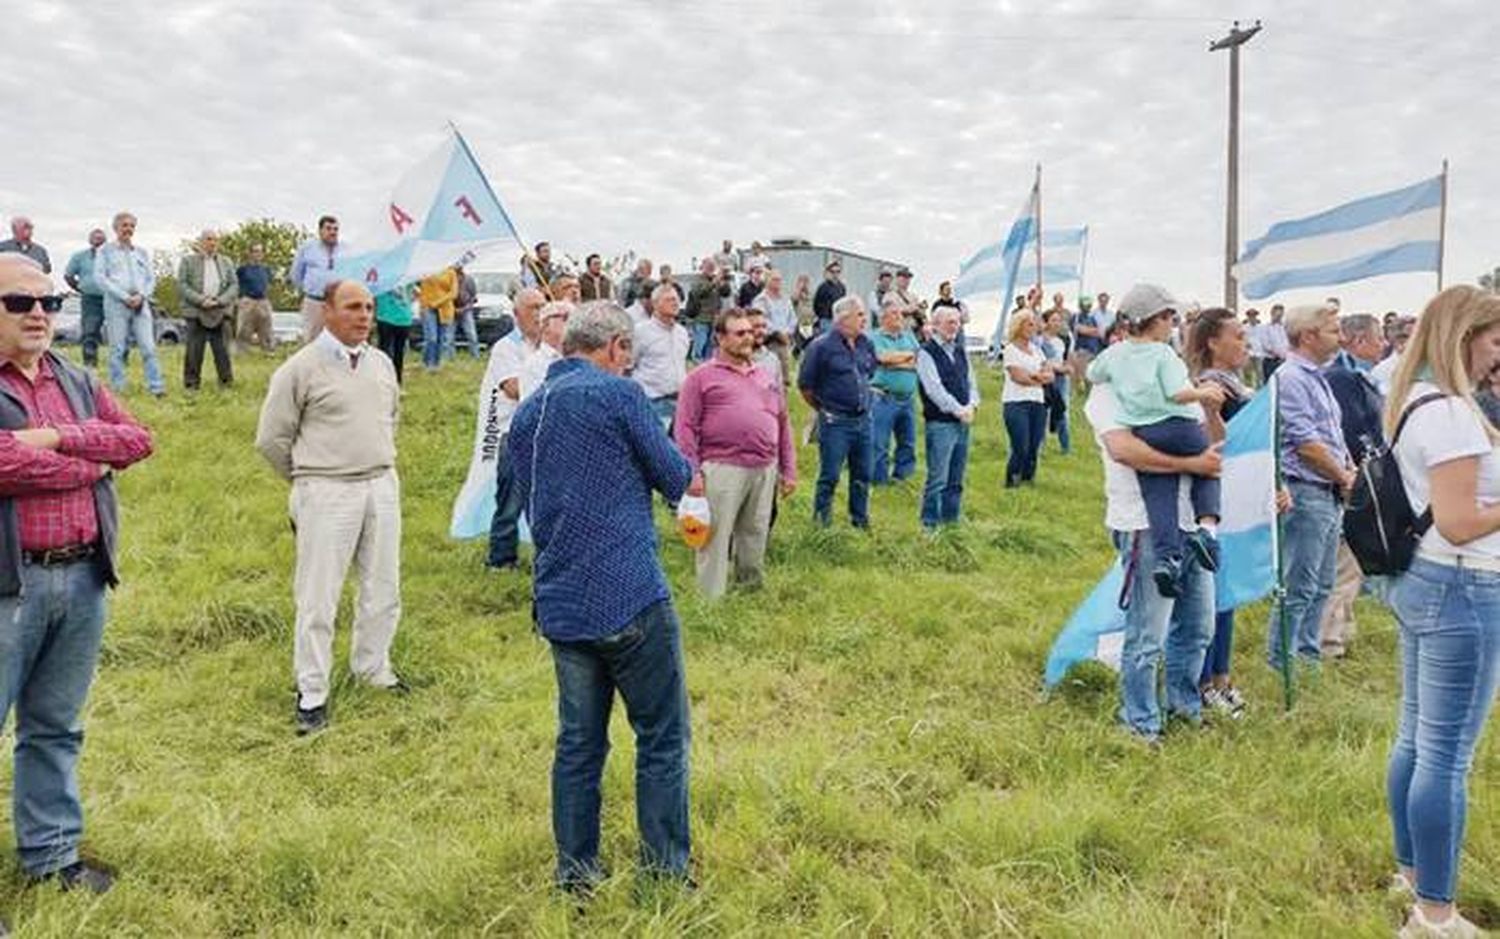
{"x": 1028, "y": 360}
{"x": 1124, "y": 509}
{"x": 1383, "y": 372}
{"x": 211, "y": 276}
{"x": 507, "y": 360}
{"x": 1437, "y": 433}
{"x": 660, "y": 357}
{"x": 1274, "y": 342}
{"x": 336, "y": 349}
{"x": 767, "y": 360}
{"x": 534, "y": 368}
{"x": 1255, "y": 338}
{"x": 780, "y": 317}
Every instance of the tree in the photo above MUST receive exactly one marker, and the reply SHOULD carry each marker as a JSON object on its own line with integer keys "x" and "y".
{"x": 166, "y": 297}
{"x": 279, "y": 240}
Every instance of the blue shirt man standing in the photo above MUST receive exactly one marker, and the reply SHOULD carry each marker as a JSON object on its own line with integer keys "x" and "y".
{"x": 587, "y": 452}
{"x": 79, "y": 275}
{"x": 835, "y": 380}
{"x": 312, "y": 268}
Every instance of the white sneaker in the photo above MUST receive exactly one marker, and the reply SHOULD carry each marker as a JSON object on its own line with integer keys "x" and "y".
{"x": 1401, "y": 888}
{"x": 1418, "y": 926}
{"x": 1216, "y": 701}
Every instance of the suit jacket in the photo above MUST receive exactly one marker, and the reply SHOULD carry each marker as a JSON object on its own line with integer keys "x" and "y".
{"x": 190, "y": 282}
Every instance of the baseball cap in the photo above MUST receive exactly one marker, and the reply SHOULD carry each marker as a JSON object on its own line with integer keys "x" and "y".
{"x": 1144, "y": 301}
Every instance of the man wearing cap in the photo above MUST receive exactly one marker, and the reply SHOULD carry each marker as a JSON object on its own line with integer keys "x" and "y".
{"x": 829, "y": 292}
{"x": 20, "y": 243}
{"x": 835, "y": 381}
{"x": 913, "y": 309}
{"x": 312, "y": 268}
{"x": 80, "y": 276}
{"x": 62, "y": 437}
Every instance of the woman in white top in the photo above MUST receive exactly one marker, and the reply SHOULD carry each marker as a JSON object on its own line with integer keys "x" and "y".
{"x": 1448, "y": 602}
{"x": 1022, "y": 401}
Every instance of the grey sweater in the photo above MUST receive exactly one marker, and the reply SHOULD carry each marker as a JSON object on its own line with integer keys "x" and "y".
{"x": 323, "y": 418}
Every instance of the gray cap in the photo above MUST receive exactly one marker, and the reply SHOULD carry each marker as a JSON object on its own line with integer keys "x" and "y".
{"x": 1144, "y": 301}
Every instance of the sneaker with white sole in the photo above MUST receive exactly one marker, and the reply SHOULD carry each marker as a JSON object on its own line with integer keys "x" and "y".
{"x": 1216, "y": 702}
{"x": 1418, "y": 926}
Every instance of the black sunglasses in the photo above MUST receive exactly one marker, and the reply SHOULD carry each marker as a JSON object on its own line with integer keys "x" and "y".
{"x": 19, "y": 303}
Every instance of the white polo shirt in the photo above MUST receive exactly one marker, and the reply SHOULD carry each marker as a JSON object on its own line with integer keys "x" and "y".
{"x": 1124, "y": 509}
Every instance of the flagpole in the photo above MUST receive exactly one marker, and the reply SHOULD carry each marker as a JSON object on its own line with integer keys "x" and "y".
{"x": 1442, "y": 225}
{"x": 526, "y": 257}
{"x": 1083, "y": 260}
{"x": 1283, "y": 624}
{"x": 1040, "y": 296}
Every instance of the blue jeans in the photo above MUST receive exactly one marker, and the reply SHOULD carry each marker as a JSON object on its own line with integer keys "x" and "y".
{"x": 644, "y": 663}
{"x": 1161, "y": 631}
{"x": 947, "y": 459}
{"x": 665, "y": 409}
{"x": 843, "y": 440}
{"x": 1057, "y": 418}
{"x": 125, "y": 324}
{"x": 505, "y": 530}
{"x": 1309, "y": 563}
{"x": 91, "y": 327}
{"x": 469, "y": 327}
{"x": 49, "y": 644}
{"x": 890, "y": 415}
{"x": 703, "y": 341}
{"x": 1174, "y": 436}
{"x": 1026, "y": 426}
{"x": 1450, "y": 665}
{"x": 1216, "y": 662}
{"x": 437, "y": 339}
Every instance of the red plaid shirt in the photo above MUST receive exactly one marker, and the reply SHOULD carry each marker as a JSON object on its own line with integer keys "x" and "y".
{"x": 54, "y": 489}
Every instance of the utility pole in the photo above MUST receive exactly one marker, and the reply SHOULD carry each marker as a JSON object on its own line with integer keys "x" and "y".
{"x": 1237, "y": 37}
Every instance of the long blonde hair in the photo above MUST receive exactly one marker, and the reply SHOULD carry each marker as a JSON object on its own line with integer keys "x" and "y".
{"x": 1439, "y": 350}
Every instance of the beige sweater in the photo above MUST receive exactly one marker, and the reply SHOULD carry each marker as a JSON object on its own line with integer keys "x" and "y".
{"x": 322, "y": 418}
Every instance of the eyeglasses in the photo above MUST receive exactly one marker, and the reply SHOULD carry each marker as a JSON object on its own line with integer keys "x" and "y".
{"x": 739, "y": 332}
{"x": 19, "y": 303}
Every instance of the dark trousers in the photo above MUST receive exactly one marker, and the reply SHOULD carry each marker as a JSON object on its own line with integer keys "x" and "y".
{"x": 644, "y": 663}
{"x": 217, "y": 339}
{"x": 392, "y": 341}
{"x": 1216, "y": 662}
{"x": 1175, "y": 436}
{"x": 505, "y": 529}
{"x": 91, "y": 328}
{"x": 1026, "y": 426}
{"x": 1268, "y": 367}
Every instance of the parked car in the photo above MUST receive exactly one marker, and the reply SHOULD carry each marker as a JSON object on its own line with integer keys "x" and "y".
{"x": 67, "y": 325}
{"x": 493, "y": 316}
{"x": 286, "y": 326}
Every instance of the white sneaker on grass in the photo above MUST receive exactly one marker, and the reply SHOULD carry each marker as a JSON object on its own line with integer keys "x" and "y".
{"x": 1418, "y": 926}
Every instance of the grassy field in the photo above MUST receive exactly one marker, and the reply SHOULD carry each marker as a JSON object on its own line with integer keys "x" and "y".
{"x": 872, "y": 752}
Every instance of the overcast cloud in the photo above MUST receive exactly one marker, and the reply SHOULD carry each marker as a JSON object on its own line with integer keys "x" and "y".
{"x": 903, "y": 130}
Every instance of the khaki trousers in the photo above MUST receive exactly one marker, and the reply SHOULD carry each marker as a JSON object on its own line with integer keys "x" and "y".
{"x": 338, "y": 521}
{"x": 739, "y": 500}
{"x": 312, "y": 318}
{"x": 255, "y": 324}
{"x": 1337, "y": 628}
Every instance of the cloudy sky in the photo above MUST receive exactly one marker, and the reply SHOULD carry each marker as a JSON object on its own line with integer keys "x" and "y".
{"x": 898, "y": 129}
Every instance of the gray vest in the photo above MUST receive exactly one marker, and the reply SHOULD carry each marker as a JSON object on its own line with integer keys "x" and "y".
{"x": 78, "y": 387}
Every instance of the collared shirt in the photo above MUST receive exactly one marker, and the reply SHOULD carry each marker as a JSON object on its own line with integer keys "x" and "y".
{"x": 901, "y": 382}
{"x": 660, "y": 357}
{"x": 587, "y": 453}
{"x": 30, "y": 249}
{"x": 1274, "y": 341}
{"x": 780, "y": 316}
{"x": 735, "y": 414}
{"x": 507, "y": 359}
{"x": 120, "y": 271}
{"x": 81, "y": 268}
{"x": 254, "y": 280}
{"x": 1255, "y": 338}
{"x": 837, "y": 372}
{"x": 932, "y": 382}
{"x": 211, "y": 275}
{"x": 1309, "y": 414}
{"x": 766, "y": 359}
{"x": 312, "y": 266}
{"x": 350, "y": 356}
{"x": 54, "y": 489}
{"x": 534, "y": 369}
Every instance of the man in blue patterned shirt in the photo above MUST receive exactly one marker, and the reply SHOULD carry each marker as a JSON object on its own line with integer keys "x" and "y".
{"x": 587, "y": 452}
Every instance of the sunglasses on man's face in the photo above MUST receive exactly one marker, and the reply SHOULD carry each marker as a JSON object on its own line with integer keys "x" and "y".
{"x": 19, "y": 303}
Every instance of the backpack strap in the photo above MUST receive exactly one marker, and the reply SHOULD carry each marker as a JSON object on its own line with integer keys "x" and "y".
{"x": 1423, "y": 521}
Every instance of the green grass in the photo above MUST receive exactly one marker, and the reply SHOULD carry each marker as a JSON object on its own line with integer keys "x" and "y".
{"x": 872, "y": 751}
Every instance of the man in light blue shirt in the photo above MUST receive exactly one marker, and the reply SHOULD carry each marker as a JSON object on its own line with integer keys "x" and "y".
{"x": 312, "y": 269}
{"x": 123, "y": 272}
{"x": 80, "y": 276}
{"x": 894, "y": 387}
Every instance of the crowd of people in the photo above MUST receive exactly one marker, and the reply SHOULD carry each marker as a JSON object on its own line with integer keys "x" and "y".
{"x": 613, "y": 395}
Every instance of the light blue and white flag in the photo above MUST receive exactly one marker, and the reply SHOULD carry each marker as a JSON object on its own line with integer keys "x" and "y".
{"x": 1247, "y": 541}
{"x": 995, "y": 267}
{"x": 1063, "y": 251}
{"x": 442, "y": 210}
{"x": 1383, "y": 234}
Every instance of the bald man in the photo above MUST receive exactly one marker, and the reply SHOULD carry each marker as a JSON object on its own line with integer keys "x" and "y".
{"x": 61, "y": 438}
{"x": 20, "y": 243}
{"x": 328, "y": 426}
{"x": 507, "y": 361}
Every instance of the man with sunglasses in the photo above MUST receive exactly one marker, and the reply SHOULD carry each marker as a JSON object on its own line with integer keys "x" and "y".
{"x": 732, "y": 426}
{"x": 61, "y": 438}
{"x": 312, "y": 269}
{"x": 123, "y": 271}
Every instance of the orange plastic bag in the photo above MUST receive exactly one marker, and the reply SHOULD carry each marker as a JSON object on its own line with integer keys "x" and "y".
{"x": 694, "y": 523}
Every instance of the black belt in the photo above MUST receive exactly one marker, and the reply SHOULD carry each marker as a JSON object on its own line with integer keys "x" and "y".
{"x": 1330, "y": 488}
{"x": 54, "y": 557}
{"x": 843, "y": 415}
{"x": 892, "y": 395}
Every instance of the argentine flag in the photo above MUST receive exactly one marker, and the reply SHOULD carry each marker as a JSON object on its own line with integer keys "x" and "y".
{"x": 440, "y": 212}
{"x": 1382, "y": 234}
{"x": 1247, "y": 539}
{"x": 996, "y": 267}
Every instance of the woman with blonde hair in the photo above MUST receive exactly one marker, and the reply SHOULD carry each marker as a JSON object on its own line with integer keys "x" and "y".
{"x": 1022, "y": 399}
{"x": 1448, "y": 602}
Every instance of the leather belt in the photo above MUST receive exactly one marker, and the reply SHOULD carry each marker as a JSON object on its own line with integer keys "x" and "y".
{"x": 1462, "y": 561}
{"x": 53, "y": 557}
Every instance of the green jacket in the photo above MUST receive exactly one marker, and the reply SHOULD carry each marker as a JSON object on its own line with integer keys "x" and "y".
{"x": 190, "y": 282}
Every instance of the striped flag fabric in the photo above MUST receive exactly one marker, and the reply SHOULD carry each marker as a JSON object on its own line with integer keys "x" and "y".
{"x": 1388, "y": 233}
{"x": 995, "y": 267}
{"x": 440, "y": 212}
{"x": 1247, "y": 541}
{"x": 1063, "y": 251}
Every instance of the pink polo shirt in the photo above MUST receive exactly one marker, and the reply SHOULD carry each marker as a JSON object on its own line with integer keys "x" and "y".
{"x": 737, "y": 415}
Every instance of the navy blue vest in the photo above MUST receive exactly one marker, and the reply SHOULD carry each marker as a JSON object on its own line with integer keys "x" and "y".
{"x": 954, "y": 372}
{"x": 78, "y": 387}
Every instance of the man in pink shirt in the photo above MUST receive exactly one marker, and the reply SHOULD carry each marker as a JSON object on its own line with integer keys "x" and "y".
{"x": 733, "y": 428}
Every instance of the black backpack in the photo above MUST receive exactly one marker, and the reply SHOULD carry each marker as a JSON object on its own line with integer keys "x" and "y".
{"x": 1380, "y": 527}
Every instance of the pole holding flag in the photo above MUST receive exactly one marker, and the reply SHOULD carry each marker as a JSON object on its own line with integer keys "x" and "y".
{"x": 1442, "y": 226}
{"x": 1039, "y": 231}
